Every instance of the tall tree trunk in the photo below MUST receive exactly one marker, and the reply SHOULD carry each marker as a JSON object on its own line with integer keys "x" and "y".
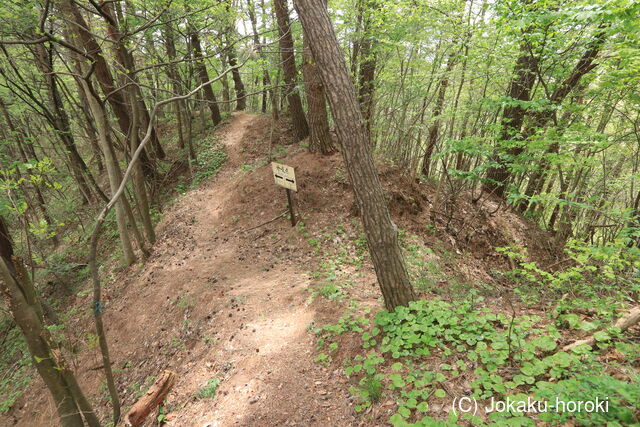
{"x": 140, "y": 189}
{"x": 60, "y": 122}
{"x": 27, "y": 312}
{"x": 298, "y": 119}
{"x": 79, "y": 27}
{"x": 42, "y": 205}
{"x": 85, "y": 40}
{"x": 366, "y": 78}
{"x": 434, "y": 129}
{"x": 174, "y": 76}
{"x": 201, "y": 69}
{"x": 135, "y": 96}
{"x": 541, "y": 119}
{"x": 177, "y": 85}
{"x": 226, "y": 92}
{"x": 382, "y": 234}
{"x": 241, "y": 99}
{"x": 512, "y": 119}
{"x": 320, "y": 137}
{"x": 521, "y": 90}
{"x": 365, "y": 55}
{"x": 266, "y": 78}
{"x": 102, "y": 124}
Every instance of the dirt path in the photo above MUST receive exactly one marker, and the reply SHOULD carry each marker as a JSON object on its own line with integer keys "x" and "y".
{"x": 214, "y": 302}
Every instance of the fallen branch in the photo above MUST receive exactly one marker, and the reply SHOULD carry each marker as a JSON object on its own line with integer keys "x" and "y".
{"x": 264, "y": 223}
{"x": 152, "y": 399}
{"x": 624, "y": 323}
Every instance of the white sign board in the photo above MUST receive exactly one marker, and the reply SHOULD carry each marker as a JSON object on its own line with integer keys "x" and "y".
{"x": 284, "y": 176}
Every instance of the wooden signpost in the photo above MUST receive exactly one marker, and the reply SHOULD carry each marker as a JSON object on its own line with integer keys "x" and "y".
{"x": 285, "y": 176}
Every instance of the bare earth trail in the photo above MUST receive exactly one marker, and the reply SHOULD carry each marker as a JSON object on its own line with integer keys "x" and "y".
{"x": 227, "y": 294}
{"x": 215, "y": 302}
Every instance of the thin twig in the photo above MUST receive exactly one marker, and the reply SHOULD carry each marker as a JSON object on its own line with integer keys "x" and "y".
{"x": 264, "y": 223}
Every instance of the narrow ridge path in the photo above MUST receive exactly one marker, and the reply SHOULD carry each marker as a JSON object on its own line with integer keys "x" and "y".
{"x": 217, "y": 304}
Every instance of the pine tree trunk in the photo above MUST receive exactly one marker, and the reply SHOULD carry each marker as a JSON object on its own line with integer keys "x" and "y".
{"x": 382, "y": 234}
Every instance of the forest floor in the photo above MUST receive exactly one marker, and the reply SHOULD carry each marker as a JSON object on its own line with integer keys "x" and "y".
{"x": 232, "y": 293}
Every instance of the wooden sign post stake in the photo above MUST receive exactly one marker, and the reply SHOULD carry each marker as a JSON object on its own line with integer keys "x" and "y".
{"x": 291, "y": 211}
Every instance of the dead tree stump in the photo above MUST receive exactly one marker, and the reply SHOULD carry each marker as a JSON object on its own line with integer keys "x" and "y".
{"x": 152, "y": 399}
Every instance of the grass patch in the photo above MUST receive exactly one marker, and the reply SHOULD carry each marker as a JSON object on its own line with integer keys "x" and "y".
{"x": 209, "y": 390}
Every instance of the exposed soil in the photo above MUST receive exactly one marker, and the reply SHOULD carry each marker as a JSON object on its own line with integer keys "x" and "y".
{"x": 226, "y": 292}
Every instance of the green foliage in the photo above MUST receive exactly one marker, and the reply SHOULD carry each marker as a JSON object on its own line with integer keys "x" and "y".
{"x": 209, "y": 390}
{"x": 15, "y": 375}
{"x": 328, "y": 333}
{"x": 211, "y": 157}
{"x": 623, "y": 399}
{"x": 138, "y": 388}
{"x": 369, "y": 392}
{"x": 593, "y": 271}
{"x": 162, "y": 416}
{"x": 504, "y": 355}
{"x": 185, "y": 302}
{"x": 329, "y": 291}
{"x": 424, "y": 270}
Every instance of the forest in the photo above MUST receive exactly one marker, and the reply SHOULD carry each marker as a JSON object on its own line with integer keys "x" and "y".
{"x": 460, "y": 244}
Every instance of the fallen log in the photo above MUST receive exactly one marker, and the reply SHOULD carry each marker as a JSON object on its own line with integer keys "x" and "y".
{"x": 624, "y": 323}
{"x": 152, "y": 399}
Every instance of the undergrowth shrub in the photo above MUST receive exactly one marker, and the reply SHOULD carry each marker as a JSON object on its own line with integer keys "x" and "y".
{"x": 592, "y": 272}
{"x": 211, "y": 157}
{"x": 412, "y": 353}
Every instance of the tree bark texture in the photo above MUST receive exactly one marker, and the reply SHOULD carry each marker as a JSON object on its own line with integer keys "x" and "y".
{"x": 201, "y": 69}
{"x": 319, "y": 135}
{"x": 298, "y": 119}
{"x": 382, "y": 234}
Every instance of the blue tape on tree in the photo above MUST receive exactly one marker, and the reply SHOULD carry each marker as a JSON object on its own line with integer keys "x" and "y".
{"x": 97, "y": 307}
